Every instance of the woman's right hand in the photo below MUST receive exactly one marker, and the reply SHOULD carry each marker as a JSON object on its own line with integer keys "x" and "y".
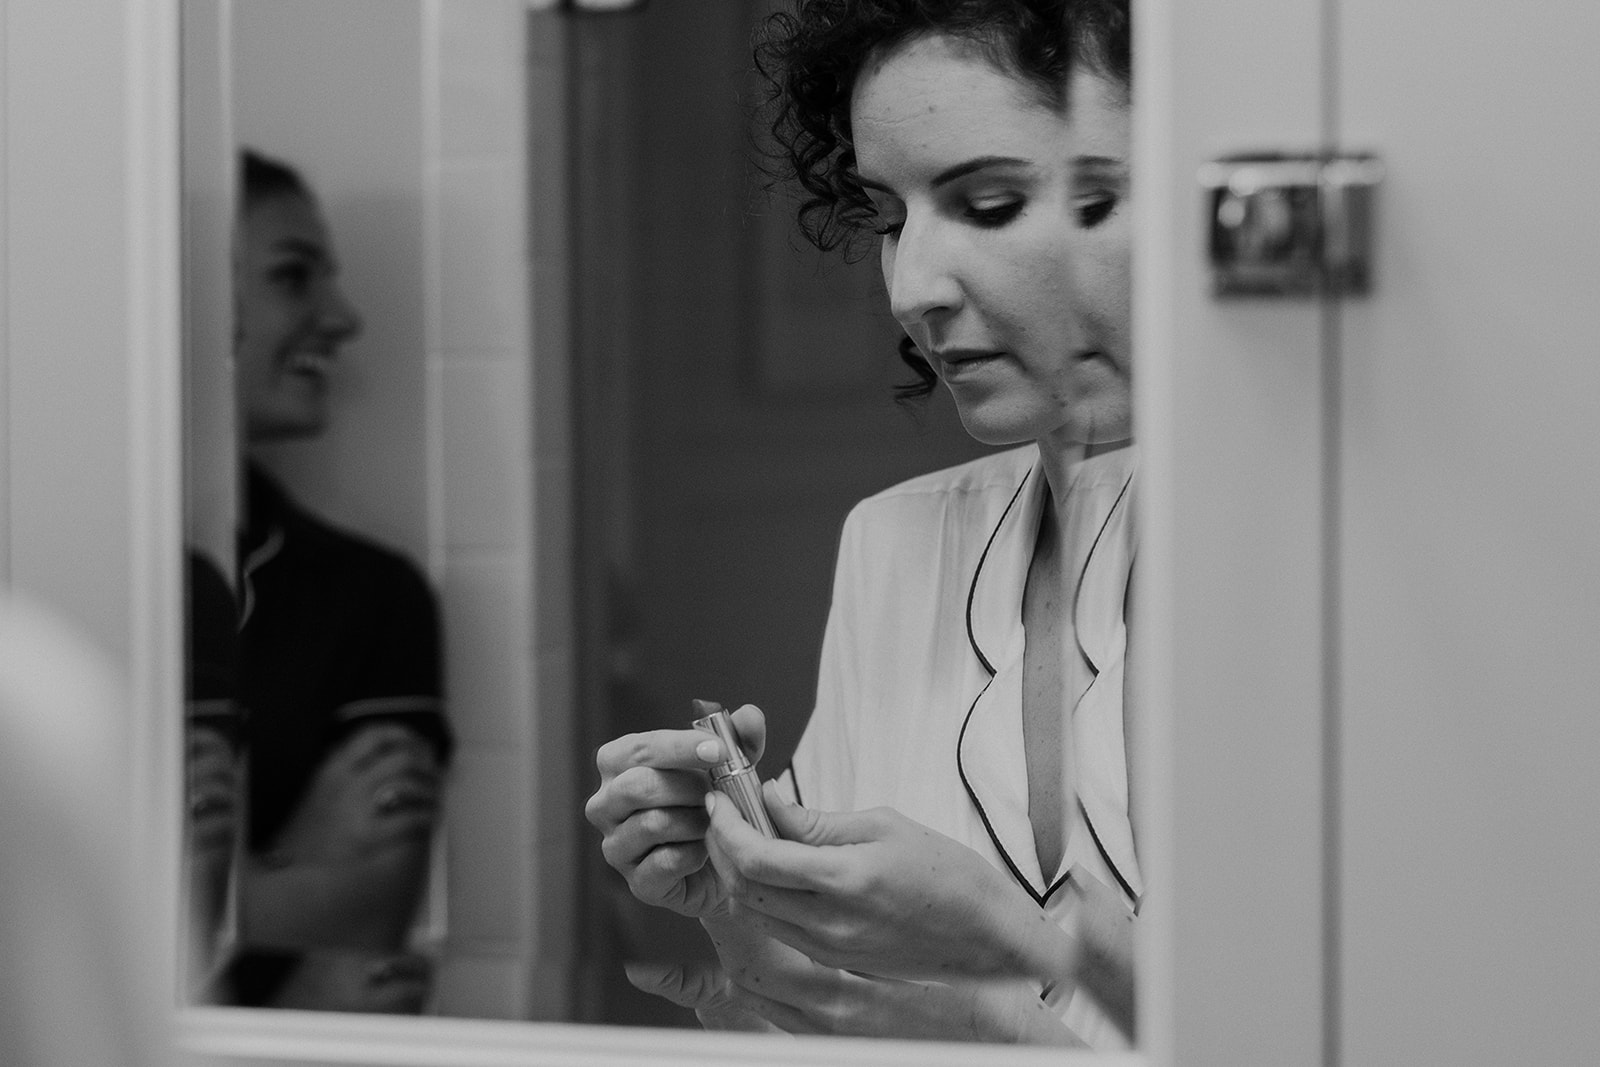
{"x": 650, "y": 811}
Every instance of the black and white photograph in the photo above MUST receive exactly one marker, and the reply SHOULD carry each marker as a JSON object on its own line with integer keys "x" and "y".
{"x": 788, "y": 532}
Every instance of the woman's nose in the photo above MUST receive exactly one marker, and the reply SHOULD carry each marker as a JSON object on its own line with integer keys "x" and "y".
{"x": 338, "y": 318}
{"x": 918, "y": 268}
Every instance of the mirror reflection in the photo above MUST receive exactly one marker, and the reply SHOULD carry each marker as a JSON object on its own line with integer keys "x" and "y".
{"x": 304, "y": 452}
{"x": 339, "y": 661}
{"x": 510, "y": 483}
{"x": 957, "y": 843}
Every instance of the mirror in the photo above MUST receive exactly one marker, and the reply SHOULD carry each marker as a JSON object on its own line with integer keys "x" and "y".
{"x": 619, "y": 481}
{"x": 361, "y": 431}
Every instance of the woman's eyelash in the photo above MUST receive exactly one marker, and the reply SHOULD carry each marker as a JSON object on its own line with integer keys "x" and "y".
{"x": 987, "y": 216}
{"x": 1096, "y": 211}
{"x": 996, "y": 215}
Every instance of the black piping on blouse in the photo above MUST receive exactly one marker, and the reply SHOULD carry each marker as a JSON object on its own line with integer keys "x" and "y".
{"x": 983, "y": 816}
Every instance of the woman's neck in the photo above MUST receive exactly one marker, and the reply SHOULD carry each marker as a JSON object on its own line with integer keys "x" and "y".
{"x": 1059, "y": 458}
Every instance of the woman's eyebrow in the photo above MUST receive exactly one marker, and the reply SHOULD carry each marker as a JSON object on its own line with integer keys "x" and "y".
{"x": 1099, "y": 163}
{"x": 950, "y": 174}
{"x": 961, "y": 170}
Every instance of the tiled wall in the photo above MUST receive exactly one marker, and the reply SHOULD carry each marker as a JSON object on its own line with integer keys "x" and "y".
{"x": 497, "y": 472}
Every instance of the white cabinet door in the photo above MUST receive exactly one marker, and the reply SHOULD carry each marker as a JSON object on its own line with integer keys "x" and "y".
{"x": 1469, "y": 538}
{"x": 1230, "y": 584}
{"x": 1444, "y": 466}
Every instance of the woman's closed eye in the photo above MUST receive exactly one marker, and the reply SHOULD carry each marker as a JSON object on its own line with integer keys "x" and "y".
{"x": 1093, "y": 210}
{"x": 294, "y": 277}
{"x": 993, "y": 213}
{"x": 984, "y": 213}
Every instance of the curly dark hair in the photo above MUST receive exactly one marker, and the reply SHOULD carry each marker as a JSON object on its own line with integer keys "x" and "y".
{"x": 811, "y": 54}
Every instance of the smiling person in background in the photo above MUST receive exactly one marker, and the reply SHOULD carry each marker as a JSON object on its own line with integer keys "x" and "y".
{"x": 965, "y": 766}
{"x": 339, "y": 654}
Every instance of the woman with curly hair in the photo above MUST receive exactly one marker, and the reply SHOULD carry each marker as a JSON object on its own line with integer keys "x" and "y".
{"x": 965, "y": 858}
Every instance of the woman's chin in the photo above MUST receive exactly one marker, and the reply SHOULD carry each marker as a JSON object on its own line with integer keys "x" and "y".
{"x": 280, "y": 428}
{"x": 999, "y": 436}
{"x": 993, "y": 424}
{"x": 989, "y": 423}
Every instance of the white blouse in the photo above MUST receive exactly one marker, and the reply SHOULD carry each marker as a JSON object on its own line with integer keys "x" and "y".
{"x": 919, "y": 698}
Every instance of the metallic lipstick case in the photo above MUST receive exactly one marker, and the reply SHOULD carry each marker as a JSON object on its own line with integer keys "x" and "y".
{"x": 735, "y": 777}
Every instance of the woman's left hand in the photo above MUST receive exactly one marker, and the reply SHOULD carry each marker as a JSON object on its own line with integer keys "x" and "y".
{"x": 878, "y": 893}
{"x": 760, "y": 977}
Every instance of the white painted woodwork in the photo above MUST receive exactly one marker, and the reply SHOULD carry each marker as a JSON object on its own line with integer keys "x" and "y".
{"x": 1470, "y": 553}
{"x": 1229, "y": 615}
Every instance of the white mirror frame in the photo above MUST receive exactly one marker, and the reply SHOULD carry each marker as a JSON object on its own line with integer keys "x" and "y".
{"x": 121, "y": 63}
{"x": 93, "y": 496}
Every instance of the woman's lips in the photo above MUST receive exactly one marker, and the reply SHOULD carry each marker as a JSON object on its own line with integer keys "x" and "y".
{"x": 963, "y": 355}
{"x": 309, "y": 362}
{"x": 959, "y": 364}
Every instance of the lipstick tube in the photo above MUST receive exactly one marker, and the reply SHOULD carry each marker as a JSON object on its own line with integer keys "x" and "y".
{"x": 735, "y": 777}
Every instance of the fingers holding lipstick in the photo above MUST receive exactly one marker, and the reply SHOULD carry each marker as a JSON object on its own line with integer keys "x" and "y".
{"x": 650, "y": 811}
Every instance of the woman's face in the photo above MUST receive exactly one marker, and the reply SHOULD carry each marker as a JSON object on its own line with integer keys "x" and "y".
{"x": 1005, "y": 237}
{"x": 292, "y": 318}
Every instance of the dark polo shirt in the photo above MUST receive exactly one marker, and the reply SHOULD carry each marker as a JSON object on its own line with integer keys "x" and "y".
{"x": 337, "y": 631}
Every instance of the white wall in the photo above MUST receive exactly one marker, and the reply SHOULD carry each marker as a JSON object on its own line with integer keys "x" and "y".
{"x": 500, "y": 516}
